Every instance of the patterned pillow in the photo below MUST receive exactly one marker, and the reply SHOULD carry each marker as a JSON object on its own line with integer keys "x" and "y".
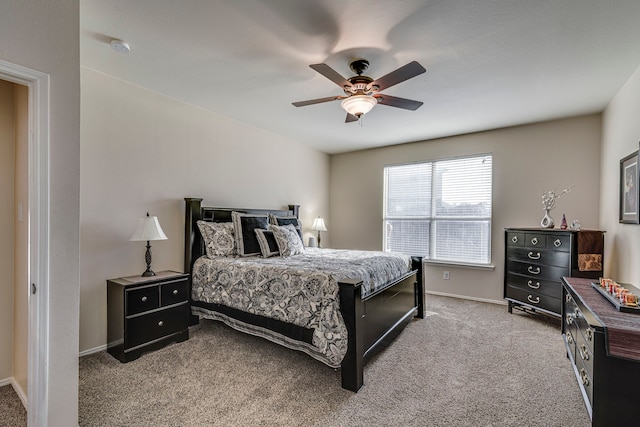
{"x": 284, "y": 220}
{"x": 267, "y": 241}
{"x": 218, "y": 238}
{"x": 244, "y": 226}
{"x": 289, "y": 242}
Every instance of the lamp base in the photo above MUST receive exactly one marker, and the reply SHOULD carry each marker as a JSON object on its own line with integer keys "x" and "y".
{"x": 148, "y": 273}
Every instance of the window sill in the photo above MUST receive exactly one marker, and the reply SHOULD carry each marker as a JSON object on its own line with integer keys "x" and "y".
{"x": 459, "y": 265}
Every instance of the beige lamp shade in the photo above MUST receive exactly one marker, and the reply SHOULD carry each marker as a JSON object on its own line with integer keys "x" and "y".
{"x": 318, "y": 224}
{"x": 148, "y": 229}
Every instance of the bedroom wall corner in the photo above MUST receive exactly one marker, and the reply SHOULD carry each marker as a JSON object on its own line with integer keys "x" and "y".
{"x": 620, "y": 137}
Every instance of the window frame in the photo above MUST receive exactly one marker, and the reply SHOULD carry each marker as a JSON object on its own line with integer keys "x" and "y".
{"x": 432, "y": 218}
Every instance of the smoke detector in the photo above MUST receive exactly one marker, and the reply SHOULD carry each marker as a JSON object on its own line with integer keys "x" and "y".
{"x": 120, "y": 46}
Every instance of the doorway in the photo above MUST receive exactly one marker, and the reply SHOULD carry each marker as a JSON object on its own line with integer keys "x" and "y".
{"x": 36, "y": 218}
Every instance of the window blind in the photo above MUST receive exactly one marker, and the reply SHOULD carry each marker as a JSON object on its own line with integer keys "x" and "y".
{"x": 440, "y": 210}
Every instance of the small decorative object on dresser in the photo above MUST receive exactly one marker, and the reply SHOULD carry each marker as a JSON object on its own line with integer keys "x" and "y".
{"x": 549, "y": 202}
{"x": 144, "y": 314}
{"x": 603, "y": 345}
{"x": 537, "y": 259}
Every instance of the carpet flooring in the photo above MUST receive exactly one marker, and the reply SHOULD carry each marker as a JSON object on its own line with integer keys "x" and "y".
{"x": 467, "y": 364}
{"x": 12, "y": 412}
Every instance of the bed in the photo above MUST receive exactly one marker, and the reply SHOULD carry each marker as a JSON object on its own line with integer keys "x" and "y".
{"x": 341, "y": 313}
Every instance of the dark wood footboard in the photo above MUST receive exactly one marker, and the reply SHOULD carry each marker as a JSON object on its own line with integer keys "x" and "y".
{"x": 375, "y": 321}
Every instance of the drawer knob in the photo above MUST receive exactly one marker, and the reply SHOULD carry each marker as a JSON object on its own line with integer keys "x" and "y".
{"x": 175, "y": 292}
{"x": 584, "y": 377}
{"x": 584, "y": 354}
{"x": 514, "y": 239}
{"x": 160, "y": 323}
{"x": 532, "y": 285}
{"x": 569, "y": 319}
{"x": 534, "y": 241}
{"x": 144, "y": 299}
{"x": 532, "y": 270}
{"x": 531, "y": 255}
{"x": 532, "y": 300}
{"x": 589, "y": 333}
{"x": 557, "y": 243}
{"x": 570, "y": 338}
{"x": 567, "y": 298}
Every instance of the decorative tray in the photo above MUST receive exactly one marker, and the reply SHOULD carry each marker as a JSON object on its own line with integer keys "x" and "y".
{"x": 620, "y": 306}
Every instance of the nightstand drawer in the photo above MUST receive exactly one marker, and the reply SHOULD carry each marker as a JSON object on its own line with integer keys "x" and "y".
{"x": 174, "y": 292}
{"x": 148, "y": 327}
{"x": 142, "y": 299}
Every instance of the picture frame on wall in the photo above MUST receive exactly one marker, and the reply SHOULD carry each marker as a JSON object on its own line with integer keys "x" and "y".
{"x": 629, "y": 204}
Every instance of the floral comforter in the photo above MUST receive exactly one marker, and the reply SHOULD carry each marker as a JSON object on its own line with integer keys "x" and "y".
{"x": 301, "y": 289}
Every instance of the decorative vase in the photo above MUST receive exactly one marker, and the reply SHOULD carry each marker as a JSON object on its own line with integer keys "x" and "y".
{"x": 547, "y": 221}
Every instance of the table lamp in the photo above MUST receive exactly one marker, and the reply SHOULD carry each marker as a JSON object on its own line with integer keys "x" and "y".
{"x": 148, "y": 229}
{"x": 318, "y": 225}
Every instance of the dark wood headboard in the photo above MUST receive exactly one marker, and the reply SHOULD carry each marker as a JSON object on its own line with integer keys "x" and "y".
{"x": 193, "y": 244}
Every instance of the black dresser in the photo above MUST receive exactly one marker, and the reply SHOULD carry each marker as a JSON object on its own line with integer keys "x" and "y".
{"x": 606, "y": 364}
{"x": 537, "y": 259}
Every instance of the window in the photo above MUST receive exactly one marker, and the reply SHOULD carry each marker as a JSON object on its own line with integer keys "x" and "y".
{"x": 440, "y": 210}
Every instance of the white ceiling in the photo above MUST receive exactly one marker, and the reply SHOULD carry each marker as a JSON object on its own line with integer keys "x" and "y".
{"x": 490, "y": 63}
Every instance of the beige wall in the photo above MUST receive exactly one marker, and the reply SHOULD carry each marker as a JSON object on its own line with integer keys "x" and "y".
{"x": 620, "y": 136}
{"x": 7, "y": 168}
{"x": 145, "y": 152}
{"x": 21, "y": 241}
{"x": 527, "y": 160}
{"x": 44, "y": 36}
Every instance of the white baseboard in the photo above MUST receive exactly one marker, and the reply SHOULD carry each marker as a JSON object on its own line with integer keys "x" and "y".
{"x": 21, "y": 394}
{"x": 444, "y": 294}
{"x": 5, "y": 382}
{"x": 93, "y": 350}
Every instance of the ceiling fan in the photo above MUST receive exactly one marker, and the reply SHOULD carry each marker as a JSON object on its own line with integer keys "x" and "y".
{"x": 362, "y": 92}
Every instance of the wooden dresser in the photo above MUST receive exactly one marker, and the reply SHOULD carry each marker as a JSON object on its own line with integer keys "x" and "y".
{"x": 592, "y": 329}
{"x": 537, "y": 259}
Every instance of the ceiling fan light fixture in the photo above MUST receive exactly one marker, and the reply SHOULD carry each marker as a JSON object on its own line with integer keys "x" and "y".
{"x": 359, "y": 104}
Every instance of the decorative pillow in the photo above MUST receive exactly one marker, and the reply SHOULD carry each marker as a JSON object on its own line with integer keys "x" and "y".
{"x": 246, "y": 239}
{"x": 267, "y": 241}
{"x": 289, "y": 242}
{"x": 218, "y": 238}
{"x": 284, "y": 220}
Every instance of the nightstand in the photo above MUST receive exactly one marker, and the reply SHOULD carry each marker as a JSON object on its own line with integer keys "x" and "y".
{"x": 146, "y": 313}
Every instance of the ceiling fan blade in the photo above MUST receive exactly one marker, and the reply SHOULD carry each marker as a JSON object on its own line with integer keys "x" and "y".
{"x": 351, "y": 118}
{"x": 331, "y": 74}
{"x": 394, "y": 101}
{"x": 316, "y": 101}
{"x": 403, "y": 73}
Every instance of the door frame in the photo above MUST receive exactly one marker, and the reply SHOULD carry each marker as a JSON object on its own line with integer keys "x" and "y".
{"x": 38, "y": 225}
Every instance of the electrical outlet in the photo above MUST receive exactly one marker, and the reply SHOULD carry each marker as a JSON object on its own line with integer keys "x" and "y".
{"x": 445, "y": 275}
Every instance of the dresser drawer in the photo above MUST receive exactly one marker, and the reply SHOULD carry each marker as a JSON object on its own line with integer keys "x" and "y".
{"x": 584, "y": 352}
{"x": 174, "y": 292}
{"x": 540, "y": 256}
{"x": 515, "y": 239}
{"x": 537, "y": 271}
{"x": 586, "y": 380}
{"x": 141, "y": 299}
{"x": 559, "y": 242}
{"x": 546, "y": 287}
{"x": 148, "y": 327}
{"x": 533, "y": 299}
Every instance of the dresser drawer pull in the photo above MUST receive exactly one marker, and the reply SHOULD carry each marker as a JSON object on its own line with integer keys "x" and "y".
{"x": 144, "y": 299}
{"x": 584, "y": 354}
{"x": 533, "y": 301}
{"x": 569, "y": 319}
{"x": 531, "y": 255}
{"x": 589, "y": 333}
{"x": 557, "y": 243}
{"x": 534, "y": 241}
{"x": 570, "y": 338}
{"x": 532, "y": 285}
{"x": 567, "y": 298}
{"x": 514, "y": 239}
{"x": 175, "y": 292}
{"x": 584, "y": 377}
{"x": 531, "y": 270}
{"x": 160, "y": 323}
